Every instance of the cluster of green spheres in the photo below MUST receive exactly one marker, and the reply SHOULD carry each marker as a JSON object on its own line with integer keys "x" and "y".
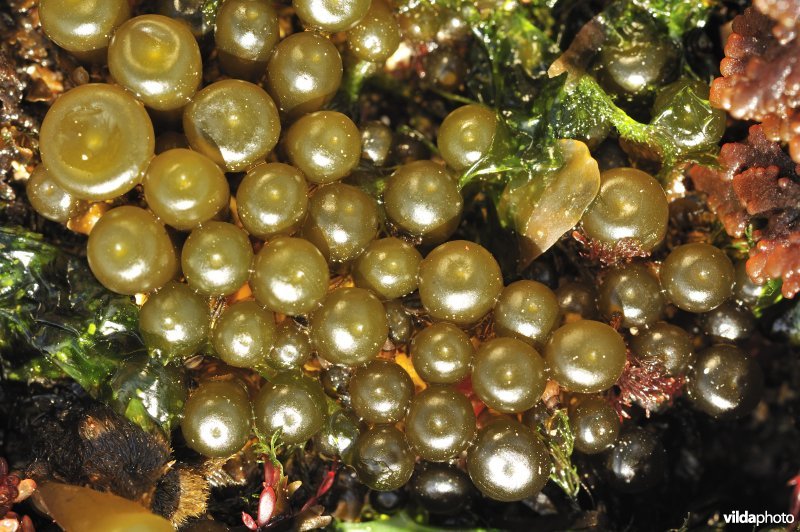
{"x": 328, "y": 266}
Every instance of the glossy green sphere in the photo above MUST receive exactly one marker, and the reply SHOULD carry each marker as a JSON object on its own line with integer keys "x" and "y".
{"x": 585, "y": 356}
{"x": 293, "y": 405}
{"x": 421, "y": 199}
{"x": 744, "y": 289}
{"x": 637, "y": 59}
{"x": 338, "y": 435}
{"x": 83, "y": 27}
{"x": 216, "y": 259}
{"x": 50, "y": 200}
{"x": 185, "y": 188}
{"x": 380, "y": 392}
{"x": 350, "y": 327}
{"x": 668, "y": 345}
{"x": 303, "y": 73}
{"x": 243, "y": 335}
{"x": 633, "y": 293}
{"x": 724, "y": 382}
{"x": 290, "y": 276}
{"x": 245, "y": 33}
{"x": 595, "y": 424}
{"x": 174, "y": 321}
{"x": 342, "y": 221}
{"x": 630, "y": 205}
{"x": 331, "y": 15}
{"x": 420, "y": 23}
{"x": 388, "y": 267}
{"x": 376, "y": 142}
{"x": 697, "y": 277}
{"x": 325, "y": 146}
{"x": 400, "y": 324}
{"x": 508, "y": 375}
{"x": 466, "y": 135}
{"x": 508, "y": 462}
{"x": 96, "y": 141}
{"x": 637, "y": 462}
{"x": 527, "y": 311}
{"x": 130, "y": 252}
{"x": 376, "y": 37}
{"x": 291, "y": 347}
{"x": 442, "y": 353}
{"x": 729, "y": 322}
{"x": 440, "y": 424}
{"x": 382, "y": 458}
{"x": 442, "y": 489}
{"x": 272, "y": 199}
{"x": 158, "y": 59}
{"x": 579, "y": 298}
{"x": 459, "y": 281}
{"x": 216, "y": 418}
{"x": 233, "y": 122}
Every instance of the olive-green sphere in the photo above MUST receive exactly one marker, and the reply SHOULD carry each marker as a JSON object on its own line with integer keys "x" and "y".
{"x": 459, "y": 281}
{"x": 420, "y": 23}
{"x": 442, "y": 353}
{"x": 697, "y": 277}
{"x": 293, "y": 405}
{"x": 440, "y": 424}
{"x": 376, "y": 142}
{"x": 382, "y": 458}
{"x": 83, "y": 27}
{"x": 350, "y": 327}
{"x": 291, "y": 347}
{"x": 216, "y": 418}
{"x": 667, "y": 345}
{"x": 466, "y": 135}
{"x": 185, "y": 188}
{"x": 290, "y": 276}
{"x": 401, "y": 326}
{"x": 331, "y": 15}
{"x": 380, "y": 392}
{"x": 508, "y": 462}
{"x": 157, "y": 58}
{"x": 575, "y": 297}
{"x": 245, "y": 33}
{"x": 376, "y": 37}
{"x": 527, "y": 311}
{"x": 637, "y": 462}
{"x": 595, "y": 424}
{"x": 633, "y": 293}
{"x": 585, "y": 356}
{"x": 630, "y": 205}
{"x": 243, "y": 335}
{"x": 338, "y": 436}
{"x": 303, "y": 73}
{"x": 272, "y": 199}
{"x": 174, "y": 321}
{"x": 170, "y": 140}
{"x": 388, "y": 267}
{"x": 724, "y": 382}
{"x": 342, "y": 221}
{"x": 96, "y": 141}
{"x": 325, "y": 146}
{"x": 508, "y": 375}
{"x": 49, "y": 199}
{"x": 130, "y": 252}
{"x": 216, "y": 259}
{"x": 233, "y": 122}
{"x": 421, "y": 199}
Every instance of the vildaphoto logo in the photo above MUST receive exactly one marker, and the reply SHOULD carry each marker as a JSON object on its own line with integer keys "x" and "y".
{"x": 764, "y": 518}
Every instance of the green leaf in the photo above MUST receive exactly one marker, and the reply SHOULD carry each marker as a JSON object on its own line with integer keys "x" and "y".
{"x": 679, "y": 16}
{"x": 557, "y": 436}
